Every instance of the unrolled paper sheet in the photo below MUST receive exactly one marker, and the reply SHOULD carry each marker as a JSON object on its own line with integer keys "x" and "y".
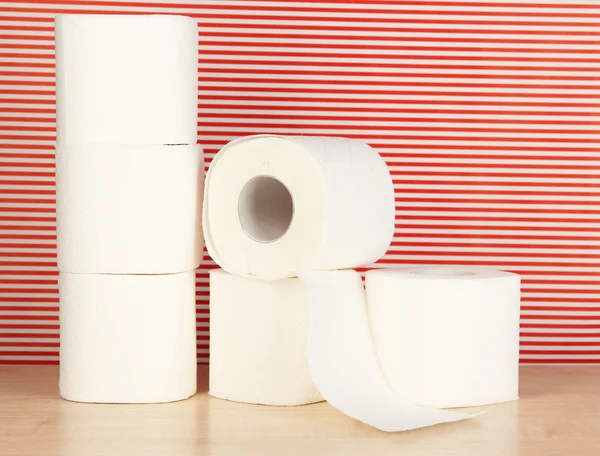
{"x": 129, "y": 209}
{"x": 126, "y": 79}
{"x": 343, "y": 361}
{"x": 259, "y": 341}
{"x": 127, "y": 338}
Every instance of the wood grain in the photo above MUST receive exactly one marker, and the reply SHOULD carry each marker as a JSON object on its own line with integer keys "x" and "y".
{"x": 558, "y": 414}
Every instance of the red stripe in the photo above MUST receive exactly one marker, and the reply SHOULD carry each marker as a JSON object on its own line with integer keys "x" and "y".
{"x": 309, "y": 48}
{"x": 28, "y": 335}
{"x": 499, "y": 264}
{"x": 374, "y": 113}
{"x": 469, "y": 253}
{"x": 367, "y": 119}
{"x": 29, "y": 308}
{"x": 473, "y": 237}
{"x": 515, "y": 228}
{"x": 555, "y": 334}
{"x": 29, "y": 273}
{"x": 559, "y": 326}
{"x": 366, "y": 136}
{"x": 29, "y": 344}
{"x": 27, "y": 173}
{"x": 383, "y": 128}
{"x": 560, "y": 352}
{"x": 423, "y": 182}
{"x": 560, "y": 344}
{"x": 492, "y": 210}
{"x": 26, "y": 165}
{"x": 27, "y": 361}
{"x": 25, "y": 28}
{"x": 28, "y": 353}
{"x": 27, "y": 300}
{"x": 275, "y": 37}
{"x": 514, "y": 202}
{"x": 476, "y": 191}
{"x": 49, "y": 47}
{"x": 31, "y": 110}
{"x": 362, "y": 91}
{"x": 479, "y": 245}
{"x": 21, "y": 37}
{"x": 411, "y": 67}
{"x": 559, "y": 361}
{"x": 27, "y": 326}
{"x": 25, "y": 246}
{"x": 563, "y": 300}
{"x": 28, "y": 263}
{"x": 358, "y": 57}
{"x": 323, "y": 99}
{"x": 468, "y": 218}
{"x": 27, "y": 219}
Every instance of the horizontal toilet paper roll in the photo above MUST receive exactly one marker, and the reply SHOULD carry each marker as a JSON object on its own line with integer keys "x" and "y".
{"x": 275, "y": 205}
{"x": 129, "y": 209}
{"x": 126, "y": 79}
{"x": 447, "y": 337}
{"x": 259, "y": 341}
{"x": 343, "y": 361}
{"x": 127, "y": 338}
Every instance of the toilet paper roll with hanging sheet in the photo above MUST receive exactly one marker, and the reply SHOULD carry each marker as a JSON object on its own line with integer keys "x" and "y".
{"x": 447, "y": 337}
{"x": 129, "y": 209}
{"x": 275, "y": 205}
{"x": 343, "y": 361}
{"x": 259, "y": 341}
{"x": 127, "y": 338}
{"x": 126, "y": 79}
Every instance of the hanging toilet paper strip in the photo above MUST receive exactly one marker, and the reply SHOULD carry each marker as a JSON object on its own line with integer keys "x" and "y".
{"x": 126, "y": 79}
{"x": 259, "y": 340}
{"x": 447, "y": 337}
{"x": 127, "y": 338}
{"x": 275, "y": 205}
{"x": 129, "y": 209}
{"x": 343, "y": 360}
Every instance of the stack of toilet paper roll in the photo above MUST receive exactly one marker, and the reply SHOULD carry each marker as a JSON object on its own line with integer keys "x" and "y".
{"x": 129, "y": 179}
{"x": 287, "y": 218}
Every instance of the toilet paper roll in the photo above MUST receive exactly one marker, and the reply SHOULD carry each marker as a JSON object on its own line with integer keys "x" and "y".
{"x": 275, "y": 205}
{"x": 127, "y": 338}
{"x": 259, "y": 340}
{"x": 129, "y": 209}
{"x": 447, "y": 337}
{"x": 343, "y": 361}
{"x": 126, "y": 79}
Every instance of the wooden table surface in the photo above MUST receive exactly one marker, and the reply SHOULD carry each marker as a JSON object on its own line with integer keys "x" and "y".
{"x": 558, "y": 414}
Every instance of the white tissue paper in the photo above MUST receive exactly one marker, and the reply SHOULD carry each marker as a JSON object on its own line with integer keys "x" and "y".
{"x": 126, "y": 79}
{"x": 259, "y": 341}
{"x": 343, "y": 361}
{"x": 127, "y": 338}
{"x": 275, "y": 205}
{"x": 129, "y": 209}
{"x": 447, "y": 337}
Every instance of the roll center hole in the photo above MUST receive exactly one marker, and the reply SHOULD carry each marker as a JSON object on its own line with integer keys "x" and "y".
{"x": 265, "y": 209}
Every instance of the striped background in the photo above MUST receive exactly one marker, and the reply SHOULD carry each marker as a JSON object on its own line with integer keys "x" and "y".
{"x": 487, "y": 112}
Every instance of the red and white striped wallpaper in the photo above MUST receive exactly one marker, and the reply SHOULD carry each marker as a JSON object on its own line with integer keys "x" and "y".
{"x": 487, "y": 112}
